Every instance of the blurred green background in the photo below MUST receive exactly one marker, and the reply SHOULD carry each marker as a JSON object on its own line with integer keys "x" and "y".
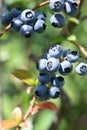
{"x": 16, "y": 53}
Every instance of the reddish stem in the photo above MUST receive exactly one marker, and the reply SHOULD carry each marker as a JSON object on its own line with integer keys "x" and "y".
{"x": 40, "y": 5}
{"x": 28, "y": 113}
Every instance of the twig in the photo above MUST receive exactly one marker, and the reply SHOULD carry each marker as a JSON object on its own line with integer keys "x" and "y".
{"x": 40, "y": 5}
{"x": 5, "y": 30}
{"x": 81, "y": 48}
{"x": 28, "y": 113}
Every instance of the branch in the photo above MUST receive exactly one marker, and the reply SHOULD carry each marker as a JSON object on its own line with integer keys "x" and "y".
{"x": 81, "y": 48}
{"x": 28, "y": 113}
{"x": 5, "y": 30}
{"x": 40, "y": 5}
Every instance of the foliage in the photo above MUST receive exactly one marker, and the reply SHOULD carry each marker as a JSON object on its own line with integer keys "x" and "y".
{"x": 18, "y": 53}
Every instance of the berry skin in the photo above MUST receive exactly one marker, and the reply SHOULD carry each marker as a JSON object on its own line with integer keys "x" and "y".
{"x": 26, "y": 31}
{"x": 54, "y": 92}
{"x": 41, "y": 64}
{"x": 57, "y": 81}
{"x": 52, "y": 64}
{"x": 81, "y": 68}
{"x": 44, "y": 78}
{"x": 16, "y": 23}
{"x": 15, "y": 12}
{"x": 73, "y": 56}
{"x": 39, "y": 26}
{"x": 57, "y": 5}
{"x": 65, "y": 52}
{"x": 40, "y": 15}
{"x": 6, "y": 19}
{"x": 65, "y": 67}
{"x": 28, "y": 15}
{"x": 42, "y": 92}
{"x": 55, "y": 51}
{"x": 71, "y": 8}
{"x": 57, "y": 20}
{"x": 47, "y": 55}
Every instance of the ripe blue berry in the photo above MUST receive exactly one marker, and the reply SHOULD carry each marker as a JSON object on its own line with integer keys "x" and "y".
{"x": 28, "y": 15}
{"x": 81, "y": 68}
{"x": 65, "y": 67}
{"x": 57, "y": 5}
{"x": 6, "y": 19}
{"x": 55, "y": 51}
{"x": 41, "y": 64}
{"x": 54, "y": 92}
{"x": 52, "y": 64}
{"x": 65, "y": 52}
{"x": 26, "y": 30}
{"x": 42, "y": 92}
{"x": 57, "y": 81}
{"x": 40, "y": 15}
{"x": 44, "y": 78}
{"x": 39, "y": 26}
{"x": 47, "y": 55}
{"x": 73, "y": 56}
{"x": 57, "y": 20}
{"x": 71, "y": 8}
{"x": 16, "y": 23}
{"x": 15, "y": 12}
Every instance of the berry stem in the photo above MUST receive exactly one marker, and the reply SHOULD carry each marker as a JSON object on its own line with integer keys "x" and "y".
{"x": 40, "y": 5}
{"x": 81, "y": 48}
{"x": 28, "y": 113}
{"x": 5, "y": 30}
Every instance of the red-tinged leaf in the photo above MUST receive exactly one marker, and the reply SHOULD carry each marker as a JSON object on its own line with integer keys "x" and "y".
{"x": 47, "y": 105}
{"x": 23, "y": 124}
{"x": 6, "y": 124}
{"x": 21, "y": 74}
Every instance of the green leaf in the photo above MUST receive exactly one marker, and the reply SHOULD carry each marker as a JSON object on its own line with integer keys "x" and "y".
{"x": 74, "y": 20}
{"x": 21, "y": 74}
{"x": 71, "y": 38}
{"x": 25, "y": 77}
{"x": 31, "y": 81}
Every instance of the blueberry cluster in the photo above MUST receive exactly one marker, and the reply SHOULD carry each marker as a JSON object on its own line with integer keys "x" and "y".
{"x": 70, "y": 7}
{"x": 26, "y": 22}
{"x": 56, "y": 60}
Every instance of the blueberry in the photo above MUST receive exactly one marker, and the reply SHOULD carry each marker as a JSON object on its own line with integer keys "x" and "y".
{"x": 41, "y": 64}
{"x": 28, "y": 15}
{"x": 26, "y": 31}
{"x": 71, "y": 8}
{"x": 65, "y": 67}
{"x": 44, "y": 78}
{"x": 81, "y": 68}
{"x": 65, "y": 52}
{"x": 57, "y": 81}
{"x": 47, "y": 55}
{"x": 16, "y": 23}
{"x": 57, "y": 5}
{"x": 6, "y": 19}
{"x": 52, "y": 64}
{"x": 42, "y": 92}
{"x": 54, "y": 92}
{"x": 40, "y": 15}
{"x": 73, "y": 56}
{"x": 57, "y": 20}
{"x": 55, "y": 51}
{"x": 15, "y": 12}
{"x": 39, "y": 26}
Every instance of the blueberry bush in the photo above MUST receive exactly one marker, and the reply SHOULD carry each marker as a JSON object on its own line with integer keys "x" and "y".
{"x": 43, "y": 65}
